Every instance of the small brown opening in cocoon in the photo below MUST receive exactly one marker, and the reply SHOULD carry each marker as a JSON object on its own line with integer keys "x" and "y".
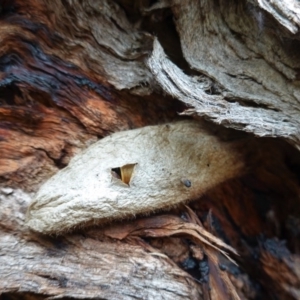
{"x": 123, "y": 173}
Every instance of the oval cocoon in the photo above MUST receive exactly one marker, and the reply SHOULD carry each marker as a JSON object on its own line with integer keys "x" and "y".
{"x": 169, "y": 163}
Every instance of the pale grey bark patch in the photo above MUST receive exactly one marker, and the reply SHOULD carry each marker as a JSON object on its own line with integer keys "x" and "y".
{"x": 121, "y": 45}
{"x": 247, "y": 57}
{"x": 260, "y": 121}
{"x": 107, "y": 42}
{"x": 287, "y": 12}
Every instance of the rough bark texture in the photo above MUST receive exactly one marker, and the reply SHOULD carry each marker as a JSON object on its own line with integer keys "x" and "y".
{"x": 72, "y": 72}
{"x": 254, "y": 78}
{"x": 82, "y": 266}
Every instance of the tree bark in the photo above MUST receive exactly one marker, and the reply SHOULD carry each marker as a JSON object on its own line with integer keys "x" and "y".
{"x": 73, "y": 72}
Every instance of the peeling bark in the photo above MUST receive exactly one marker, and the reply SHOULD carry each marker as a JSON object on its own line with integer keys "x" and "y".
{"x": 252, "y": 70}
{"x": 285, "y": 12}
{"x": 262, "y": 122}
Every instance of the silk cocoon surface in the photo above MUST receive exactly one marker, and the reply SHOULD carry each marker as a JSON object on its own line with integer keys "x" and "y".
{"x": 165, "y": 157}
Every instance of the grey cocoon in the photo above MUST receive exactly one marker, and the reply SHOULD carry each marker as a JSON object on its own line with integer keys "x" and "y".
{"x": 168, "y": 157}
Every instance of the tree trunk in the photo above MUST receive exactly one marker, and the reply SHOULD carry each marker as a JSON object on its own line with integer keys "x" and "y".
{"x": 74, "y": 72}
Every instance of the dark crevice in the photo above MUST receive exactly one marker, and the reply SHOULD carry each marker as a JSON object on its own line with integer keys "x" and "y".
{"x": 250, "y": 103}
{"x": 8, "y": 94}
{"x": 23, "y": 296}
{"x": 58, "y": 162}
{"x": 117, "y": 25}
{"x": 7, "y": 8}
{"x": 61, "y": 280}
{"x": 164, "y": 30}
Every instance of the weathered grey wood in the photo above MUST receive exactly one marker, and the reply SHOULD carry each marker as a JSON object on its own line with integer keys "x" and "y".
{"x": 107, "y": 42}
{"x": 287, "y": 12}
{"x": 251, "y": 61}
{"x": 81, "y": 266}
{"x": 261, "y": 121}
